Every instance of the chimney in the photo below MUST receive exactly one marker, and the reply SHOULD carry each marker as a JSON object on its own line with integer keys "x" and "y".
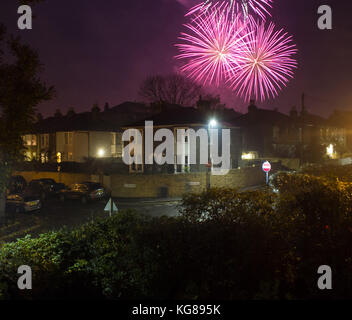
{"x": 252, "y": 107}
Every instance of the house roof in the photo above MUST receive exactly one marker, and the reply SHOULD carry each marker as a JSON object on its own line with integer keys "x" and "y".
{"x": 109, "y": 120}
{"x": 257, "y": 116}
{"x": 175, "y": 115}
{"x": 77, "y": 122}
{"x": 312, "y": 119}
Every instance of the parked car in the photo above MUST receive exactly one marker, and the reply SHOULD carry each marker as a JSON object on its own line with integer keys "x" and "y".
{"x": 45, "y": 187}
{"x": 37, "y": 188}
{"x": 24, "y": 202}
{"x": 84, "y": 191}
{"x": 51, "y": 185}
{"x": 16, "y": 184}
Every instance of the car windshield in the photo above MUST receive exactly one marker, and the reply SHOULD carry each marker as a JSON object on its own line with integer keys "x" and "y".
{"x": 34, "y": 183}
{"x": 48, "y": 181}
{"x": 28, "y": 198}
{"x": 93, "y": 185}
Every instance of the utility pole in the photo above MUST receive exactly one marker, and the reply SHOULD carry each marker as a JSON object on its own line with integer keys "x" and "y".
{"x": 303, "y": 111}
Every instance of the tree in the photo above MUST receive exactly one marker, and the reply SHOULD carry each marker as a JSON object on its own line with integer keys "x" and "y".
{"x": 58, "y": 113}
{"x": 172, "y": 89}
{"x": 21, "y": 90}
{"x": 39, "y": 117}
{"x": 95, "y": 108}
{"x": 71, "y": 112}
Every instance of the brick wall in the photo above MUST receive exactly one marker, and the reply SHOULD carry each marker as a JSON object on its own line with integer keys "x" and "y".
{"x": 140, "y": 186}
{"x": 63, "y": 177}
{"x": 158, "y": 185}
{"x": 239, "y": 178}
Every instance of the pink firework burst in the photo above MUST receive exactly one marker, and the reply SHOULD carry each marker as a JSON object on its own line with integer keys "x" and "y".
{"x": 259, "y": 7}
{"x": 267, "y": 64}
{"x": 214, "y": 45}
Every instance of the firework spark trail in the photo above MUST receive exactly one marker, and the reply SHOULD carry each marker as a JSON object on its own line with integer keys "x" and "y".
{"x": 259, "y": 7}
{"x": 267, "y": 64}
{"x": 214, "y": 45}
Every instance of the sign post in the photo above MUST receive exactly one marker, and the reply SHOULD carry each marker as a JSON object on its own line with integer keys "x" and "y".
{"x": 266, "y": 168}
{"x": 111, "y": 207}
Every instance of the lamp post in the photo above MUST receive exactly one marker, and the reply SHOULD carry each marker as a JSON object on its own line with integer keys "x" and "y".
{"x": 212, "y": 124}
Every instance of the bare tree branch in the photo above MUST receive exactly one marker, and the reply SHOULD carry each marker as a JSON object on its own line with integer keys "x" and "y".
{"x": 173, "y": 89}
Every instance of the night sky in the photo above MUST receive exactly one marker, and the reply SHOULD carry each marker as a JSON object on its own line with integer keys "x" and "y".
{"x": 101, "y": 50}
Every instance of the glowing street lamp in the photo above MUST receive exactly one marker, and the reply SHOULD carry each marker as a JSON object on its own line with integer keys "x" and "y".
{"x": 212, "y": 123}
{"x": 101, "y": 153}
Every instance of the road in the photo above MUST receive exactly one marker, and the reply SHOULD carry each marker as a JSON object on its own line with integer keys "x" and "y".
{"x": 55, "y": 214}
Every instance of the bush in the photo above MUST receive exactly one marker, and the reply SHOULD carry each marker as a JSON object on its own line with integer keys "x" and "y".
{"x": 330, "y": 172}
{"x": 225, "y": 245}
{"x": 226, "y": 203}
{"x": 315, "y": 214}
{"x": 93, "y": 261}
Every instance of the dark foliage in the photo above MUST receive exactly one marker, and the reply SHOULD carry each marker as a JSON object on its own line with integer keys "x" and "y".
{"x": 225, "y": 245}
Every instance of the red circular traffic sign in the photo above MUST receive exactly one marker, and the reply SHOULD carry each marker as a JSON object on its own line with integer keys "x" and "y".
{"x": 266, "y": 166}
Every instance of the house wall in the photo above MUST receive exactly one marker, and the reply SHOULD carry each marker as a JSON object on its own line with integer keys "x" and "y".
{"x": 84, "y": 144}
{"x": 62, "y": 147}
{"x": 80, "y": 146}
{"x": 99, "y": 140}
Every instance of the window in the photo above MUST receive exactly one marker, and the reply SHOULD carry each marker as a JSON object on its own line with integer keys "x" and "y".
{"x": 113, "y": 138}
{"x": 116, "y": 144}
{"x": 34, "y": 140}
{"x": 68, "y": 138}
{"x": 44, "y": 140}
{"x": 136, "y": 167}
{"x": 30, "y": 140}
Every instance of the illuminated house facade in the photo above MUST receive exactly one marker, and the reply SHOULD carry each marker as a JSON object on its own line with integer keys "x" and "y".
{"x": 77, "y": 137}
{"x": 174, "y": 117}
{"x": 270, "y": 134}
{"x": 258, "y": 134}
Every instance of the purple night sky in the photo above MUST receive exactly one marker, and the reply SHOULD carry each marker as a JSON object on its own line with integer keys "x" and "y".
{"x": 100, "y": 51}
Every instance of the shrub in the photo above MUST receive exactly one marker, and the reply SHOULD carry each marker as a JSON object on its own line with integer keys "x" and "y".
{"x": 225, "y": 245}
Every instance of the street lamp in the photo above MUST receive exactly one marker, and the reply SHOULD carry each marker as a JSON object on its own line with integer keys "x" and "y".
{"x": 101, "y": 153}
{"x": 212, "y": 124}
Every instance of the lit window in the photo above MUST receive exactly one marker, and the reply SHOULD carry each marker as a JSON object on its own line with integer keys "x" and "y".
{"x": 249, "y": 156}
{"x": 330, "y": 151}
